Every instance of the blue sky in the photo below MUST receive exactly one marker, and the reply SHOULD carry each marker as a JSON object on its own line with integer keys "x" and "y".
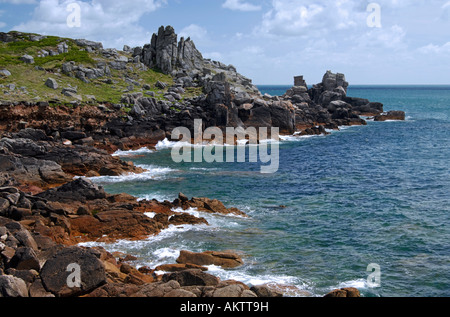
{"x": 269, "y": 41}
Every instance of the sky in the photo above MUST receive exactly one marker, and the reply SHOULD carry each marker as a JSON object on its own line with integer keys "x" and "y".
{"x": 269, "y": 41}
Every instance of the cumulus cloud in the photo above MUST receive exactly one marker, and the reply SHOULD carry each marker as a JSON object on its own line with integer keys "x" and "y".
{"x": 435, "y": 49}
{"x": 301, "y": 17}
{"x": 195, "y": 32}
{"x": 238, "y": 5}
{"x": 114, "y": 22}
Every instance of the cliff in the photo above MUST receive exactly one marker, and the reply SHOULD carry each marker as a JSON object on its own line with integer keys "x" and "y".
{"x": 67, "y": 104}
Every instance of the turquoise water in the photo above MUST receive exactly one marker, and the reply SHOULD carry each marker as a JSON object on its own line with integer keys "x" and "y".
{"x": 372, "y": 194}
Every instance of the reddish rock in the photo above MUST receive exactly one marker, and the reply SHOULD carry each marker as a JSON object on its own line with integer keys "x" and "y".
{"x": 344, "y": 292}
{"x": 223, "y": 259}
{"x": 206, "y": 205}
{"x": 179, "y": 267}
{"x": 391, "y": 115}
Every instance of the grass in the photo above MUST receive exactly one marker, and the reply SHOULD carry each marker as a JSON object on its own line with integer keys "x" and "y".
{"x": 23, "y": 75}
{"x": 11, "y": 52}
{"x": 28, "y": 76}
{"x": 73, "y": 55}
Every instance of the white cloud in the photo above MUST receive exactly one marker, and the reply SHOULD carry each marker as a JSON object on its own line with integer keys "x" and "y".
{"x": 392, "y": 38}
{"x": 302, "y": 17}
{"x": 114, "y": 22}
{"x": 435, "y": 49}
{"x": 195, "y": 32}
{"x": 238, "y": 5}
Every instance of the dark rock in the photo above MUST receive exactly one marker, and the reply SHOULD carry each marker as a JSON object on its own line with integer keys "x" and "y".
{"x": 55, "y": 272}
{"x": 37, "y": 290}
{"x": 81, "y": 190}
{"x": 191, "y": 278}
{"x": 391, "y": 115}
{"x": 73, "y": 135}
{"x": 32, "y": 134}
{"x": 25, "y": 258}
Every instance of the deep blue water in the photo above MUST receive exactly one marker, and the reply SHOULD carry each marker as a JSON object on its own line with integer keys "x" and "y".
{"x": 372, "y": 194}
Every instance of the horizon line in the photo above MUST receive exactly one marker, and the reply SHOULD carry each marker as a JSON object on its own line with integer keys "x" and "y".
{"x": 363, "y": 85}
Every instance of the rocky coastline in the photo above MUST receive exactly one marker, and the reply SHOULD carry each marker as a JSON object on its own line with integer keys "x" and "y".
{"x": 49, "y": 146}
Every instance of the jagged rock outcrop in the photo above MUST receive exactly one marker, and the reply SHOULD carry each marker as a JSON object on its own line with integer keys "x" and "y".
{"x": 391, "y": 115}
{"x": 185, "y": 63}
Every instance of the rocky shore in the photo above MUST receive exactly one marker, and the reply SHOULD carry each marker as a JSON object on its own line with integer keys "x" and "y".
{"x": 47, "y": 147}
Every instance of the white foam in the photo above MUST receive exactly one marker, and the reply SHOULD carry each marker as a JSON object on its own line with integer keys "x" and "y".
{"x": 358, "y": 283}
{"x": 203, "y": 169}
{"x": 216, "y": 221}
{"x": 166, "y": 144}
{"x": 141, "y": 151}
{"x": 150, "y": 214}
{"x": 166, "y": 254}
{"x": 255, "y": 280}
{"x": 152, "y": 172}
{"x": 296, "y": 137}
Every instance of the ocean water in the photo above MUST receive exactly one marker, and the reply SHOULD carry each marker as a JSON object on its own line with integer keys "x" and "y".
{"x": 375, "y": 194}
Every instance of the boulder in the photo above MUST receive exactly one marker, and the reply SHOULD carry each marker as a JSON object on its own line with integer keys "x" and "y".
{"x": 51, "y": 83}
{"x": 73, "y": 135}
{"x": 344, "y": 292}
{"x": 191, "y": 278}
{"x": 37, "y": 290}
{"x": 81, "y": 190}
{"x": 179, "y": 267}
{"x": 25, "y": 258}
{"x": 56, "y": 272}
{"x": 211, "y": 206}
{"x": 32, "y": 134}
{"x": 11, "y": 286}
{"x": 223, "y": 259}
{"x": 265, "y": 291}
{"x": 5, "y": 72}
{"x": 115, "y": 224}
{"x": 391, "y": 115}
{"x": 89, "y": 44}
{"x": 159, "y": 289}
{"x": 28, "y": 59}
{"x": 31, "y": 171}
{"x": 233, "y": 290}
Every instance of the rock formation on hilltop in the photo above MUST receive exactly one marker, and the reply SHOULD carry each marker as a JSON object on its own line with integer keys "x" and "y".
{"x": 183, "y": 61}
{"x": 167, "y": 54}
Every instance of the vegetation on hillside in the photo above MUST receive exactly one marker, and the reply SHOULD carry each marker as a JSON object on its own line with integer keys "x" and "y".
{"x": 27, "y": 81}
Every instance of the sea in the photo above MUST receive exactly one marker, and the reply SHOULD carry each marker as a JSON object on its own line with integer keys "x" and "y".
{"x": 365, "y": 206}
